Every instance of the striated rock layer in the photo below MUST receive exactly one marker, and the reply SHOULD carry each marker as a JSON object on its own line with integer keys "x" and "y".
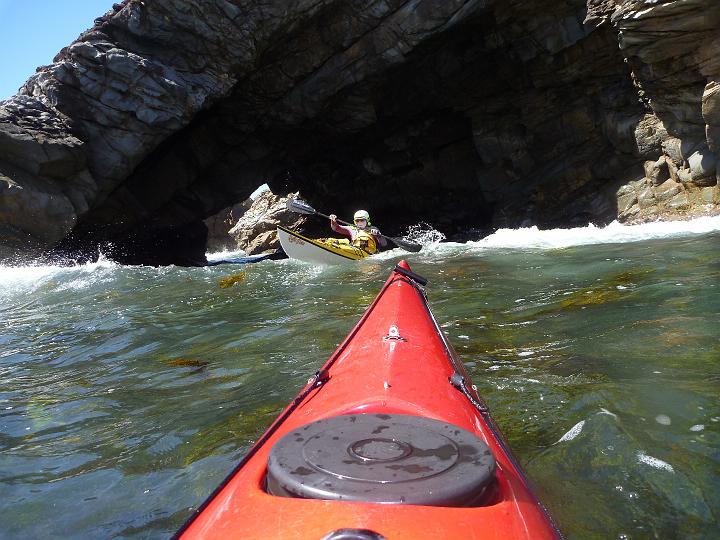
{"x": 467, "y": 115}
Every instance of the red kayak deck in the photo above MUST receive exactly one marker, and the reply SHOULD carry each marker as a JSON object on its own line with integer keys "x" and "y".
{"x": 379, "y": 370}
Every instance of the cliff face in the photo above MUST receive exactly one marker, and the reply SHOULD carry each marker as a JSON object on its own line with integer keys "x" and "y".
{"x": 464, "y": 114}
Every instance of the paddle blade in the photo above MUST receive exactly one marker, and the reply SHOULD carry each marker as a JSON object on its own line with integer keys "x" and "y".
{"x": 404, "y": 244}
{"x": 301, "y": 207}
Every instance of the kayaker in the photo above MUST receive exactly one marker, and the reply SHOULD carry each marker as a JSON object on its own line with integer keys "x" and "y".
{"x": 362, "y": 235}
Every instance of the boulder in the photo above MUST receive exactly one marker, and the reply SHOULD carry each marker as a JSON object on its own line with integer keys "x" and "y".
{"x": 256, "y": 231}
{"x": 219, "y": 225}
{"x": 680, "y": 201}
{"x": 709, "y": 195}
{"x": 672, "y": 148}
{"x": 657, "y": 171}
{"x": 702, "y": 164}
{"x": 646, "y": 198}
{"x": 625, "y": 202}
{"x": 650, "y": 135}
{"x": 667, "y": 189}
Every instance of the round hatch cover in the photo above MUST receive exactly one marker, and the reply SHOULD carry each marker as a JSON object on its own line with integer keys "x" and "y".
{"x": 391, "y": 458}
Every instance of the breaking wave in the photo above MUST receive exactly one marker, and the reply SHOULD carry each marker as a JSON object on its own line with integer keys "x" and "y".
{"x": 614, "y": 233}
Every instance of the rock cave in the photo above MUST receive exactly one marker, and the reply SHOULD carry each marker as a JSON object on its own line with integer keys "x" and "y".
{"x": 468, "y": 115}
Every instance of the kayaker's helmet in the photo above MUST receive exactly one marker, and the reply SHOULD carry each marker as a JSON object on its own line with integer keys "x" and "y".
{"x": 361, "y": 214}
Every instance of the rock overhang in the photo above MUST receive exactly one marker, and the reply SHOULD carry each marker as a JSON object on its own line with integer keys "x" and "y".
{"x": 465, "y": 114}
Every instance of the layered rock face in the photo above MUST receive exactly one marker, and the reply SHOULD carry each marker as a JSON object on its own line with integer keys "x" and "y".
{"x": 467, "y": 115}
{"x": 672, "y": 49}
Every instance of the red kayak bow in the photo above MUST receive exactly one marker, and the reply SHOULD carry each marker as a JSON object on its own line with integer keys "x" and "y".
{"x": 389, "y": 440}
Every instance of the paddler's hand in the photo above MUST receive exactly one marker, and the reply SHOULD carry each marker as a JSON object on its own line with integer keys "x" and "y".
{"x": 381, "y": 240}
{"x": 333, "y": 219}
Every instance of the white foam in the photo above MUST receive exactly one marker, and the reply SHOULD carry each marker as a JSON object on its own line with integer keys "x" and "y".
{"x": 605, "y": 411}
{"x": 22, "y": 277}
{"x": 573, "y": 432}
{"x": 654, "y": 462}
{"x": 424, "y": 234}
{"x": 220, "y": 255}
{"x": 534, "y": 238}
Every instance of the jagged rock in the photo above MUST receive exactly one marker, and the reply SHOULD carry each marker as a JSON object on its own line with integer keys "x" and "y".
{"x": 702, "y": 164}
{"x": 629, "y": 214}
{"x": 650, "y": 135}
{"x": 256, "y": 231}
{"x": 641, "y": 202}
{"x": 672, "y": 148}
{"x": 463, "y": 114}
{"x": 684, "y": 176}
{"x": 625, "y": 202}
{"x": 667, "y": 189}
{"x": 219, "y": 226}
{"x": 657, "y": 171}
{"x": 263, "y": 242}
{"x": 646, "y": 198}
{"x": 631, "y": 187}
{"x": 679, "y": 202}
{"x": 709, "y": 195}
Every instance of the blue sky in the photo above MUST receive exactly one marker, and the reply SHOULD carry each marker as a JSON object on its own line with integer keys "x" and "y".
{"x": 33, "y": 31}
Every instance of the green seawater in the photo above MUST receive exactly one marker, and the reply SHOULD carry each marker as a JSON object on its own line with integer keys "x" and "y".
{"x": 127, "y": 394}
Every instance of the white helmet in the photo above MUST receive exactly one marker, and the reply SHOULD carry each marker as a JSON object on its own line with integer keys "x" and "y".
{"x": 361, "y": 214}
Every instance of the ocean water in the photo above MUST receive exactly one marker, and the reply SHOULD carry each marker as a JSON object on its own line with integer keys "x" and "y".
{"x": 128, "y": 393}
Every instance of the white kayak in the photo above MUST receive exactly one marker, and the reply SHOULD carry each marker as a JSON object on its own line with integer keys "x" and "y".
{"x": 325, "y": 251}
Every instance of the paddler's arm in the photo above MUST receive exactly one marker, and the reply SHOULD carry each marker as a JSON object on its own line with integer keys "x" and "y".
{"x": 379, "y": 238}
{"x": 339, "y": 228}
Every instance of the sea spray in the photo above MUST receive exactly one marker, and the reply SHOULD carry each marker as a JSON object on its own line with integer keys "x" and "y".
{"x": 423, "y": 233}
{"x": 534, "y": 238}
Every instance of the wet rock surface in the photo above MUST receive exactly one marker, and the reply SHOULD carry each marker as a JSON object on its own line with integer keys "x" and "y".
{"x": 643, "y": 201}
{"x": 467, "y": 115}
{"x": 219, "y": 225}
{"x": 256, "y": 230}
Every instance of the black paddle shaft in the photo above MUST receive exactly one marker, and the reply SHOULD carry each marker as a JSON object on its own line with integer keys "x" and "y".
{"x": 338, "y": 220}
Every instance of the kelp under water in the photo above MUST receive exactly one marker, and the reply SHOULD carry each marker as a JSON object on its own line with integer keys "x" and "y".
{"x": 128, "y": 393}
